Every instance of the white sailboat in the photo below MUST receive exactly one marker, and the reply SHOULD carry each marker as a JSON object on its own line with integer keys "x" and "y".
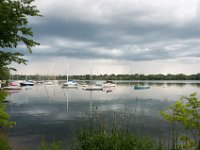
{"x": 70, "y": 83}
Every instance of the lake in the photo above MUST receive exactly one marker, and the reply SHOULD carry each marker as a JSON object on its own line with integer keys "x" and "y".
{"x": 55, "y": 113}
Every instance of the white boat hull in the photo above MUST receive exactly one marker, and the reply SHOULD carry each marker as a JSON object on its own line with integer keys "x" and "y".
{"x": 109, "y": 85}
{"x": 70, "y": 86}
{"x": 12, "y": 88}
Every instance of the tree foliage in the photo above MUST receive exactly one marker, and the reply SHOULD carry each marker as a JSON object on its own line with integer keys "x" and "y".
{"x": 187, "y": 112}
{"x": 4, "y": 73}
{"x": 14, "y": 30}
{"x": 14, "y": 21}
{"x": 8, "y": 57}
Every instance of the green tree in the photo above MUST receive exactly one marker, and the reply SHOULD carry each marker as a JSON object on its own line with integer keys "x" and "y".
{"x": 14, "y": 30}
{"x": 4, "y": 73}
{"x": 187, "y": 112}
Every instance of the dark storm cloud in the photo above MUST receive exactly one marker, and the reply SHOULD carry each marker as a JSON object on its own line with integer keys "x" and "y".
{"x": 130, "y": 35}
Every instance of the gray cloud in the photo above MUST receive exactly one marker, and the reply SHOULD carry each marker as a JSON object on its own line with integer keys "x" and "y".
{"x": 118, "y": 35}
{"x": 117, "y": 30}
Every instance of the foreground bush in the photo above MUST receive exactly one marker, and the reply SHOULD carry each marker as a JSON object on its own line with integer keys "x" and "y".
{"x": 186, "y": 111}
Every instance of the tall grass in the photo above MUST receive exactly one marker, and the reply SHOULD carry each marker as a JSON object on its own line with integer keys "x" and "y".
{"x": 4, "y": 143}
{"x": 91, "y": 140}
{"x": 55, "y": 145}
{"x": 111, "y": 134}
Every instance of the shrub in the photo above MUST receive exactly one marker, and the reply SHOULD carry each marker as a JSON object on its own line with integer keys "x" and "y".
{"x": 186, "y": 111}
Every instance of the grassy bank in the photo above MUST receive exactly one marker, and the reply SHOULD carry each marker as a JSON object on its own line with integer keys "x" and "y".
{"x": 4, "y": 123}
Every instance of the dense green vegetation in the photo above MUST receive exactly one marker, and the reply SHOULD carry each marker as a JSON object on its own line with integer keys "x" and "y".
{"x": 111, "y": 77}
{"x": 4, "y": 123}
{"x": 101, "y": 140}
{"x": 4, "y": 117}
{"x": 4, "y": 144}
{"x": 115, "y": 140}
{"x": 4, "y": 73}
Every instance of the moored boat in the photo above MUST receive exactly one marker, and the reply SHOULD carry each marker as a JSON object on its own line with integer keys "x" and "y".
{"x": 13, "y": 83}
{"x": 137, "y": 87}
{"x": 108, "y": 84}
{"x": 26, "y": 83}
{"x": 70, "y": 84}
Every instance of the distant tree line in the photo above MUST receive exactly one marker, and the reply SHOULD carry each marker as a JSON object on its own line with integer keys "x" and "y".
{"x": 108, "y": 77}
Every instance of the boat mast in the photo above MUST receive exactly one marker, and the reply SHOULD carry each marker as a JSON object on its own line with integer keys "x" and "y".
{"x": 67, "y": 72}
{"x": 90, "y": 71}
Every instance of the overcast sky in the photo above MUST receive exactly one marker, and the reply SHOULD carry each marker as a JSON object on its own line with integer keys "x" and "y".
{"x": 115, "y": 36}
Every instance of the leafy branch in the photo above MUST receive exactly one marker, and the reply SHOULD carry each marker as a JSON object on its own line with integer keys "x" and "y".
{"x": 186, "y": 111}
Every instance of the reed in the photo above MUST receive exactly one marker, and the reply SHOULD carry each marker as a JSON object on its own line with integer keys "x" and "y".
{"x": 4, "y": 143}
{"x": 55, "y": 145}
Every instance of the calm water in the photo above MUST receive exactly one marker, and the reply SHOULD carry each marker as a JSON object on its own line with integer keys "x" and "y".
{"x": 56, "y": 114}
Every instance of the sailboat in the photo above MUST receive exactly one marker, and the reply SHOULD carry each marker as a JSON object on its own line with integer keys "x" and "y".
{"x": 70, "y": 83}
